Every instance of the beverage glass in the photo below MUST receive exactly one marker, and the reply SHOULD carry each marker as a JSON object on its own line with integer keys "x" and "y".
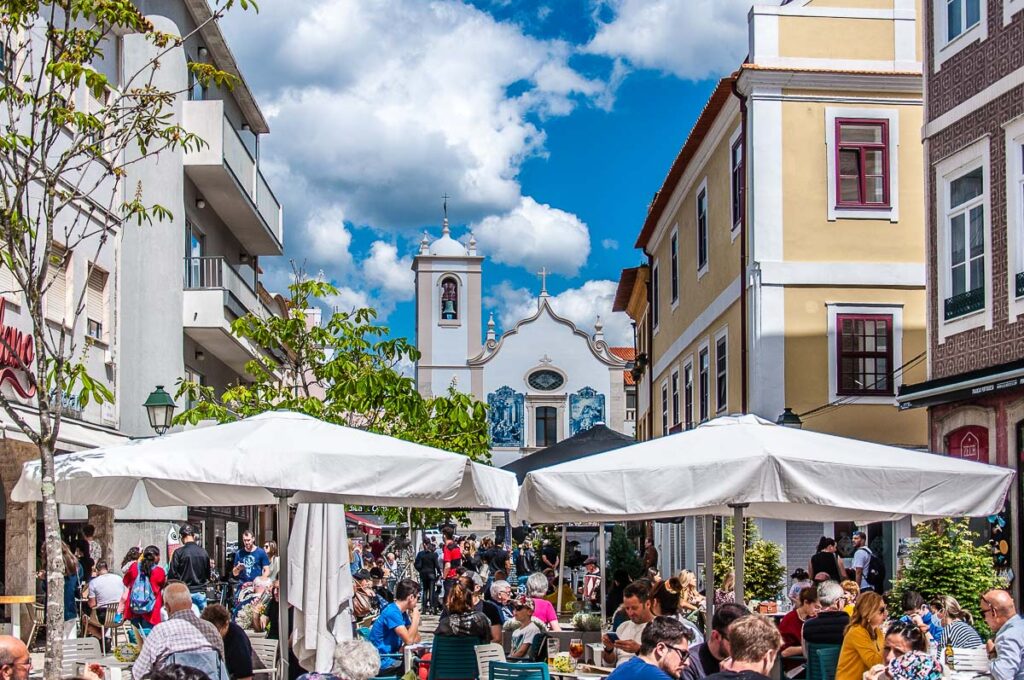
{"x": 576, "y": 649}
{"x": 552, "y": 649}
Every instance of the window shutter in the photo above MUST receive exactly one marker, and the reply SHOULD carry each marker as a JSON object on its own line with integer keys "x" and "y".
{"x": 8, "y": 286}
{"x": 94, "y": 306}
{"x": 56, "y": 296}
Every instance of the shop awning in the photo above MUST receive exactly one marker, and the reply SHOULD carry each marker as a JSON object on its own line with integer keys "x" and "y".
{"x": 363, "y": 524}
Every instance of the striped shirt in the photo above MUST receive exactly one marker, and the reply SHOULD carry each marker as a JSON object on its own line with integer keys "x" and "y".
{"x": 960, "y": 634}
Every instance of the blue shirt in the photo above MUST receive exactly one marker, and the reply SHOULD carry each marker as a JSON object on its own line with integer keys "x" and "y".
{"x": 71, "y": 587}
{"x": 638, "y": 669}
{"x": 252, "y": 563}
{"x": 1009, "y": 661}
{"x": 384, "y": 637}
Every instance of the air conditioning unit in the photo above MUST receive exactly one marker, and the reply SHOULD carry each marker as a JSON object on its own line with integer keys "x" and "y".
{"x": 108, "y": 357}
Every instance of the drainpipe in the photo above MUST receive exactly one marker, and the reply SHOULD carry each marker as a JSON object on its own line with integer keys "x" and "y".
{"x": 650, "y": 349}
{"x": 743, "y": 245}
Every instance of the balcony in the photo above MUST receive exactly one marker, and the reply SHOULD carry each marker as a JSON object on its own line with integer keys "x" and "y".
{"x": 1020, "y": 284}
{"x": 965, "y": 303}
{"x": 229, "y": 179}
{"x": 215, "y": 295}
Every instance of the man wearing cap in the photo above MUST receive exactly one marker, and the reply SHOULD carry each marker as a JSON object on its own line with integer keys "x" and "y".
{"x": 591, "y": 581}
{"x": 522, "y": 637}
{"x": 190, "y": 564}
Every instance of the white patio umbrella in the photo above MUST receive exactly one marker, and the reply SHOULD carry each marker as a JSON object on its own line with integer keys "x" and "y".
{"x": 746, "y": 465}
{"x": 280, "y": 457}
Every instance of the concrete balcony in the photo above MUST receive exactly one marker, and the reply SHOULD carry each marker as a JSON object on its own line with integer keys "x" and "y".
{"x": 229, "y": 179}
{"x": 215, "y": 295}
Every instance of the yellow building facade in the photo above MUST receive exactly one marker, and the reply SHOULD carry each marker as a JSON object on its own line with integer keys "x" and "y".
{"x": 786, "y": 247}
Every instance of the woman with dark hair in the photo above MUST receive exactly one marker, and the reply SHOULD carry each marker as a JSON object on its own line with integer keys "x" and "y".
{"x": 801, "y": 580}
{"x": 461, "y": 618}
{"x": 901, "y": 637}
{"x": 145, "y": 581}
{"x": 73, "y": 575}
{"x": 132, "y": 555}
{"x": 826, "y": 560}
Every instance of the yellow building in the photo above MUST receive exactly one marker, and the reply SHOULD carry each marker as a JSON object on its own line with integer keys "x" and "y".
{"x": 786, "y": 245}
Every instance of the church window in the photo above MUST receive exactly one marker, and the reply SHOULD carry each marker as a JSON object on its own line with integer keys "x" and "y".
{"x": 449, "y": 299}
{"x": 545, "y": 380}
{"x": 547, "y": 425}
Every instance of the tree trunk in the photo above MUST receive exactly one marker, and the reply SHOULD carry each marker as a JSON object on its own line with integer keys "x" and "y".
{"x": 102, "y": 518}
{"x": 54, "y": 569}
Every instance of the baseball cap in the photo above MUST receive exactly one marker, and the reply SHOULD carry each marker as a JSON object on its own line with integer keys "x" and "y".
{"x": 589, "y": 560}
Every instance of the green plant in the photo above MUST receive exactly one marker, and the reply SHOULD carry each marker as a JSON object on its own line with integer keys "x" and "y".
{"x": 946, "y": 561}
{"x": 586, "y": 622}
{"x": 763, "y": 570}
{"x": 622, "y": 555}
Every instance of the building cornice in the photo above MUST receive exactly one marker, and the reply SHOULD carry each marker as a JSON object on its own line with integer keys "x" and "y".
{"x": 753, "y": 76}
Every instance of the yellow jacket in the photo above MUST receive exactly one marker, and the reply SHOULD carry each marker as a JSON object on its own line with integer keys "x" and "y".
{"x": 859, "y": 653}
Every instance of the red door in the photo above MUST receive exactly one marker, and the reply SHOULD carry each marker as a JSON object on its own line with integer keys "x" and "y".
{"x": 969, "y": 443}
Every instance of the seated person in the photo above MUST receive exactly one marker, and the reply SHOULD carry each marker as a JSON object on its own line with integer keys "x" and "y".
{"x": 461, "y": 619}
{"x": 364, "y": 598}
{"x": 791, "y": 627}
{"x": 237, "y": 650}
{"x": 384, "y": 596}
{"x": 353, "y": 660}
{"x": 829, "y": 626}
{"x": 397, "y": 625}
{"x": 529, "y": 628}
{"x": 663, "y": 653}
{"x": 754, "y": 644}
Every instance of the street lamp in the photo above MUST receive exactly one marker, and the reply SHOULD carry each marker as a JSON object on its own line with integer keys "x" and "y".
{"x": 160, "y": 409}
{"x": 789, "y": 419}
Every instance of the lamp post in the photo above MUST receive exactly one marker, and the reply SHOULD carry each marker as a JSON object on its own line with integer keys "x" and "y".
{"x": 160, "y": 409}
{"x": 789, "y": 419}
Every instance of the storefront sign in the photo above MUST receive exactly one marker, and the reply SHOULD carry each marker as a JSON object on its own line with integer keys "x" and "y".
{"x": 16, "y": 350}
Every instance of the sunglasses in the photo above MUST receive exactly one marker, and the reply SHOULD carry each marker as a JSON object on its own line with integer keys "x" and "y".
{"x": 684, "y": 654}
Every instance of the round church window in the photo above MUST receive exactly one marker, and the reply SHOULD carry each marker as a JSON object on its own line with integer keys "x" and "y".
{"x": 545, "y": 380}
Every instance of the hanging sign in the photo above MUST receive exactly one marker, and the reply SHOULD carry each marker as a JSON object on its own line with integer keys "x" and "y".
{"x": 16, "y": 350}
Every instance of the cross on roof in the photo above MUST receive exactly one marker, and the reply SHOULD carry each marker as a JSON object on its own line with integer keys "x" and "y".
{"x": 543, "y": 274}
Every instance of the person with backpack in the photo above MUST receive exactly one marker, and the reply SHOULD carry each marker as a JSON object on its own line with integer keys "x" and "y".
{"x": 869, "y": 567}
{"x": 182, "y": 639}
{"x": 145, "y": 581}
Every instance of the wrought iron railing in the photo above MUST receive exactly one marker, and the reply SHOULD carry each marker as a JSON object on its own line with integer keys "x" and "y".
{"x": 965, "y": 303}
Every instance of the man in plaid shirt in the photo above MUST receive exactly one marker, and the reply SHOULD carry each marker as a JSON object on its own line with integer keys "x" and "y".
{"x": 181, "y": 631}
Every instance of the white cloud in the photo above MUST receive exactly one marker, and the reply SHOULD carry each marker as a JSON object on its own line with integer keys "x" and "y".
{"x": 348, "y": 299}
{"x": 392, "y": 274}
{"x": 533, "y": 235}
{"x": 329, "y": 240}
{"x": 580, "y": 305}
{"x": 404, "y": 100}
{"x": 609, "y": 244}
{"x": 694, "y": 40}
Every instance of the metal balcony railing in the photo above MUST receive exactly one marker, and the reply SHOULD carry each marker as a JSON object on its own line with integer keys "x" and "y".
{"x": 965, "y": 303}
{"x": 214, "y": 272}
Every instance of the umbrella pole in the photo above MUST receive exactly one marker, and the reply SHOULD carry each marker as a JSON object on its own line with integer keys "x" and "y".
{"x": 560, "y": 571}
{"x": 740, "y": 548}
{"x": 604, "y": 574}
{"x": 709, "y": 573}
{"x": 283, "y": 634}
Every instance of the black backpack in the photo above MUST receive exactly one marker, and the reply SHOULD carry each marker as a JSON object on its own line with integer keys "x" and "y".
{"x": 875, "y": 572}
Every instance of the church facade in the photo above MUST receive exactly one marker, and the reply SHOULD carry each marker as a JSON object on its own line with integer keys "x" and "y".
{"x": 543, "y": 380}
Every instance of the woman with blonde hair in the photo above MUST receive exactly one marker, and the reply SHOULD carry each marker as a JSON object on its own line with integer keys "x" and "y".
{"x": 852, "y": 593}
{"x": 690, "y": 599}
{"x": 957, "y": 623}
{"x": 275, "y": 560}
{"x": 864, "y": 638}
{"x": 726, "y": 594}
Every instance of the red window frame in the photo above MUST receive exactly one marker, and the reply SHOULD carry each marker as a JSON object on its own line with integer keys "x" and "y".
{"x": 889, "y": 390}
{"x": 861, "y": 148}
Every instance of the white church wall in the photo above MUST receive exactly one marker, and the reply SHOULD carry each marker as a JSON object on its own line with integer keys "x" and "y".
{"x": 448, "y": 342}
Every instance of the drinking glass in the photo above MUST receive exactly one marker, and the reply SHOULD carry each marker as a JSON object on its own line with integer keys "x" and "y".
{"x": 576, "y": 649}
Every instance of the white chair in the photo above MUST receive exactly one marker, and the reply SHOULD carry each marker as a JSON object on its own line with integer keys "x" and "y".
{"x": 266, "y": 651}
{"x": 970, "y": 659}
{"x": 81, "y": 649}
{"x": 485, "y": 654}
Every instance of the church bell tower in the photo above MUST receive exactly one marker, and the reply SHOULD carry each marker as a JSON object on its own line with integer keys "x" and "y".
{"x": 448, "y": 310}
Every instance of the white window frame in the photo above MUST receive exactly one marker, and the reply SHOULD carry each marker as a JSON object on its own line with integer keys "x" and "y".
{"x": 655, "y": 297}
{"x": 722, "y": 334}
{"x": 969, "y": 158}
{"x": 675, "y": 396}
{"x": 95, "y": 270}
{"x": 704, "y": 348}
{"x": 673, "y": 257}
{"x": 1011, "y": 7}
{"x": 1014, "y": 131}
{"x": 894, "y": 309}
{"x": 892, "y": 117}
{"x": 664, "y": 408}
{"x": 686, "y": 417}
{"x": 69, "y": 281}
{"x": 702, "y": 189}
{"x": 944, "y": 49}
{"x": 734, "y": 228}
{"x": 9, "y": 289}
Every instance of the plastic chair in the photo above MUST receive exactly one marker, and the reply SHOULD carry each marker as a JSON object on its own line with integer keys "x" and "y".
{"x": 822, "y": 661}
{"x": 80, "y": 649}
{"x": 453, "y": 658}
{"x": 518, "y": 671}
{"x": 485, "y": 654}
{"x": 266, "y": 651}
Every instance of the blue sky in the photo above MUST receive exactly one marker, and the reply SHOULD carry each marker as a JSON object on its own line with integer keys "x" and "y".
{"x": 550, "y": 123}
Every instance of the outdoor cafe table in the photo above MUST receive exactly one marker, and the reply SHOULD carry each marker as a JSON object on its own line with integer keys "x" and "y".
{"x": 14, "y": 601}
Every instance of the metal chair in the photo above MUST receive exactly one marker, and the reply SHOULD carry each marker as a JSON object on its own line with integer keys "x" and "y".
{"x": 518, "y": 671}
{"x": 107, "y": 624}
{"x": 38, "y": 623}
{"x": 267, "y": 652}
{"x": 822, "y": 661}
{"x": 80, "y": 649}
{"x": 453, "y": 658}
{"x": 485, "y": 654}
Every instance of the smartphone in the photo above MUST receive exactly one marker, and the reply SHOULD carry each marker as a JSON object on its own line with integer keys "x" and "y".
{"x": 613, "y": 636}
